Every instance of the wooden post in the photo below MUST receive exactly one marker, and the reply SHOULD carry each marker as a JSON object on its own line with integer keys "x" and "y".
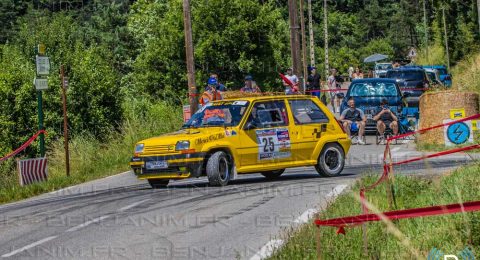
{"x": 294, "y": 37}
{"x": 192, "y": 88}
{"x": 19, "y": 172}
{"x": 446, "y": 38}
{"x": 304, "y": 46}
{"x": 325, "y": 29}
{"x": 426, "y": 28}
{"x": 310, "y": 28}
{"x": 65, "y": 120}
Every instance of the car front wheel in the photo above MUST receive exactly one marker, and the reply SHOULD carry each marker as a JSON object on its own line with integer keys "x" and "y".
{"x": 331, "y": 160}
{"x": 218, "y": 169}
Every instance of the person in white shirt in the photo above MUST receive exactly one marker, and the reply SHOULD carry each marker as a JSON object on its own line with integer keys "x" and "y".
{"x": 294, "y": 79}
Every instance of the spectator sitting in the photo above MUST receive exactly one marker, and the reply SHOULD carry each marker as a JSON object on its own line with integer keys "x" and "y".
{"x": 250, "y": 86}
{"x": 353, "y": 118}
{"x": 385, "y": 117}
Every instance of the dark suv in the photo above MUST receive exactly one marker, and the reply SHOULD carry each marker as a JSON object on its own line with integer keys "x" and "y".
{"x": 410, "y": 77}
{"x": 368, "y": 95}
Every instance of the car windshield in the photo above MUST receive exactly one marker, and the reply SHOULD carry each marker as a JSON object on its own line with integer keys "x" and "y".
{"x": 224, "y": 113}
{"x": 431, "y": 75}
{"x": 383, "y": 66}
{"x": 442, "y": 71}
{"x": 405, "y": 75}
{"x": 374, "y": 89}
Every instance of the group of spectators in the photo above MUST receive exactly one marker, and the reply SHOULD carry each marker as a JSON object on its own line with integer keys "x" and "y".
{"x": 352, "y": 118}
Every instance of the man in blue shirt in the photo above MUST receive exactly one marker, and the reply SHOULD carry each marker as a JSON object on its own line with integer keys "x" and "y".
{"x": 353, "y": 119}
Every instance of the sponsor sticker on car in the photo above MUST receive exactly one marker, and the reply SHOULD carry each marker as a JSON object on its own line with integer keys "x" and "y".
{"x": 273, "y": 144}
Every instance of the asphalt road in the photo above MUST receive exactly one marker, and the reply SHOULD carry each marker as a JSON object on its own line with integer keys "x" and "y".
{"x": 120, "y": 217}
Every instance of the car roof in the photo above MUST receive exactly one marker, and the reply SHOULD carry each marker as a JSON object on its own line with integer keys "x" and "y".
{"x": 408, "y": 68}
{"x": 434, "y": 66}
{"x": 269, "y": 97}
{"x": 374, "y": 80}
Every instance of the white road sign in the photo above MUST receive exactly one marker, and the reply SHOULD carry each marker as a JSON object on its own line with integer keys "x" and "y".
{"x": 43, "y": 65}
{"x": 40, "y": 84}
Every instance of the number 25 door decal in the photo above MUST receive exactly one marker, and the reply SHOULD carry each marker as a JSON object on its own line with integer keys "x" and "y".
{"x": 273, "y": 144}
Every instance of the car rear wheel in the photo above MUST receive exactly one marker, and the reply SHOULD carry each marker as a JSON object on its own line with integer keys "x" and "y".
{"x": 158, "y": 183}
{"x": 218, "y": 169}
{"x": 273, "y": 174}
{"x": 331, "y": 160}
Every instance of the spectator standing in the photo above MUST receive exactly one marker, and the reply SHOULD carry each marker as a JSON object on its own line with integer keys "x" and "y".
{"x": 250, "y": 86}
{"x": 350, "y": 72}
{"x": 353, "y": 119}
{"x": 210, "y": 93}
{"x": 334, "y": 87}
{"x": 294, "y": 79}
{"x": 314, "y": 82}
{"x": 220, "y": 87}
{"x": 358, "y": 74}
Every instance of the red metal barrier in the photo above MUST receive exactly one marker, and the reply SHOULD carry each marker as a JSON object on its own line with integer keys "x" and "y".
{"x": 407, "y": 213}
{"x": 24, "y": 146}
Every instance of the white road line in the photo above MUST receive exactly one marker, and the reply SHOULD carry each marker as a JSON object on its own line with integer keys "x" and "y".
{"x": 395, "y": 149}
{"x": 75, "y": 228}
{"x": 306, "y": 216}
{"x": 267, "y": 250}
{"x": 39, "y": 242}
{"x": 133, "y": 205}
{"x": 336, "y": 191}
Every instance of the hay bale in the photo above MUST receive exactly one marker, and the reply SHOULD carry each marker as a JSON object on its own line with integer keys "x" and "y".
{"x": 435, "y": 107}
{"x": 238, "y": 94}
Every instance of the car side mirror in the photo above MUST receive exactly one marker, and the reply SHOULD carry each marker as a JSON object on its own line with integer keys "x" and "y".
{"x": 250, "y": 125}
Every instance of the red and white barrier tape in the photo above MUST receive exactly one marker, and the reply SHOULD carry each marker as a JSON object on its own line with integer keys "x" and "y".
{"x": 24, "y": 146}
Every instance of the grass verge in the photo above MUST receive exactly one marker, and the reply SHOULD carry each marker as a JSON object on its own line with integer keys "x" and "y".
{"x": 449, "y": 233}
{"x": 91, "y": 159}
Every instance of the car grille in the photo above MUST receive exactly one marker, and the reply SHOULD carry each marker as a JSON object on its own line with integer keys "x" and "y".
{"x": 158, "y": 149}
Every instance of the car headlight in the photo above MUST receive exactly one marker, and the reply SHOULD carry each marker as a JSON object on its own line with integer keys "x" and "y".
{"x": 182, "y": 145}
{"x": 139, "y": 148}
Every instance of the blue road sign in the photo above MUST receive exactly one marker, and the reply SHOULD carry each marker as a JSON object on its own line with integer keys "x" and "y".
{"x": 458, "y": 133}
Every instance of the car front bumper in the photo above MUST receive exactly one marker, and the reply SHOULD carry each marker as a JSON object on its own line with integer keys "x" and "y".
{"x": 178, "y": 166}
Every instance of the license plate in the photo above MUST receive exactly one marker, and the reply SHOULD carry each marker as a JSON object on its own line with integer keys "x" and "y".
{"x": 157, "y": 165}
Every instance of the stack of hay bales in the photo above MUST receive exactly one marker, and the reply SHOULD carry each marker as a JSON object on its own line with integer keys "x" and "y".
{"x": 435, "y": 107}
{"x": 239, "y": 94}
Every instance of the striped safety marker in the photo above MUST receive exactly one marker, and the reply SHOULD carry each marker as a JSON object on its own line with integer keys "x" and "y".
{"x": 32, "y": 170}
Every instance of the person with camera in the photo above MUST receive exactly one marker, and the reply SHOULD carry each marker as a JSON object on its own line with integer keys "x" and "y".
{"x": 385, "y": 118}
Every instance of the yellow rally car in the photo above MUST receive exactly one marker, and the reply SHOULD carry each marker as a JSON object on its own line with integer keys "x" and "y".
{"x": 246, "y": 135}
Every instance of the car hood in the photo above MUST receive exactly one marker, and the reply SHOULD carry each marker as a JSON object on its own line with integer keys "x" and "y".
{"x": 194, "y": 135}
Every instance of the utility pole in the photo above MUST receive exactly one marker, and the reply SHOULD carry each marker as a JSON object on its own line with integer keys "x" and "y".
{"x": 304, "y": 46}
{"x": 192, "y": 88}
{"x": 310, "y": 27}
{"x": 65, "y": 119}
{"x": 325, "y": 28}
{"x": 446, "y": 38}
{"x": 426, "y": 28}
{"x": 294, "y": 37}
{"x": 478, "y": 15}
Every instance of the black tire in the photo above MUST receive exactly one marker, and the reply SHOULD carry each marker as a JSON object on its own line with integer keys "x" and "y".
{"x": 273, "y": 174}
{"x": 331, "y": 160}
{"x": 158, "y": 183}
{"x": 219, "y": 169}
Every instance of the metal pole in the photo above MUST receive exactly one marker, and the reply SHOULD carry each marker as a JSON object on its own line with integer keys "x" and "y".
{"x": 40, "y": 122}
{"x": 304, "y": 45}
{"x": 325, "y": 28}
{"x": 65, "y": 120}
{"x": 192, "y": 88}
{"x": 310, "y": 27}
{"x": 426, "y": 28}
{"x": 294, "y": 37}
{"x": 446, "y": 38}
